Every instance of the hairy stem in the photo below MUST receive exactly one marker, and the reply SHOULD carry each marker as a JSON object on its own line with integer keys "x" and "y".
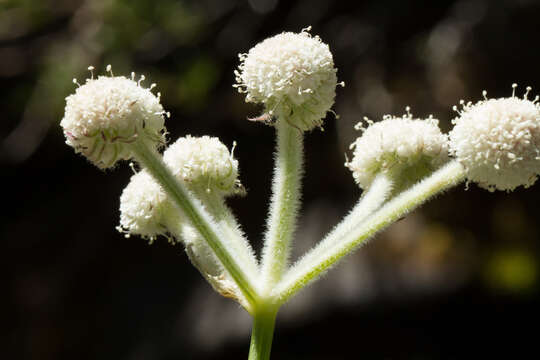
{"x": 198, "y": 217}
{"x": 315, "y": 263}
{"x": 262, "y": 333}
{"x": 215, "y": 204}
{"x": 285, "y": 203}
{"x": 371, "y": 200}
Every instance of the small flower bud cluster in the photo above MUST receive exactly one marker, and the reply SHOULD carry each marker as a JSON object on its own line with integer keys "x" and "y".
{"x": 497, "y": 140}
{"x": 145, "y": 209}
{"x": 293, "y": 75}
{"x": 204, "y": 163}
{"x": 107, "y": 114}
{"x": 202, "y": 257}
{"x": 398, "y": 144}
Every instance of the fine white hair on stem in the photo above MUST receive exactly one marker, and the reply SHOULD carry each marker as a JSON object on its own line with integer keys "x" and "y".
{"x": 201, "y": 219}
{"x": 285, "y": 204}
{"x": 309, "y": 268}
{"x": 146, "y": 210}
{"x": 208, "y": 169}
{"x": 371, "y": 200}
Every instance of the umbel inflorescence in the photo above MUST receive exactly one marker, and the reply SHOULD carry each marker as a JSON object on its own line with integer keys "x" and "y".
{"x": 180, "y": 194}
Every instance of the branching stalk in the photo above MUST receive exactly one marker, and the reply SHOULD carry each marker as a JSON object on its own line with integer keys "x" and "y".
{"x": 198, "y": 216}
{"x": 216, "y": 206}
{"x": 371, "y": 200}
{"x": 315, "y": 263}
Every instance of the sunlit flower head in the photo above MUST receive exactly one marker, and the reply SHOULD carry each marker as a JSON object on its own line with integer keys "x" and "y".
{"x": 108, "y": 113}
{"x": 293, "y": 75}
{"x": 497, "y": 140}
{"x": 204, "y": 163}
{"x": 409, "y": 147}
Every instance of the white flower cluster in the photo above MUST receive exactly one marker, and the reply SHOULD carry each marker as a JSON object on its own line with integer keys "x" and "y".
{"x": 204, "y": 163}
{"x": 107, "y": 113}
{"x": 293, "y": 75}
{"x": 398, "y": 144}
{"x": 497, "y": 140}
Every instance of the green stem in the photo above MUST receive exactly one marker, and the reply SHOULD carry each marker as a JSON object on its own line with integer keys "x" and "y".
{"x": 215, "y": 204}
{"x": 262, "y": 333}
{"x": 313, "y": 264}
{"x": 285, "y": 203}
{"x": 197, "y": 215}
{"x": 371, "y": 200}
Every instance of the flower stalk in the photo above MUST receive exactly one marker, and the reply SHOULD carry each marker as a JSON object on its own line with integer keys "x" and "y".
{"x": 285, "y": 203}
{"x": 316, "y": 262}
{"x": 215, "y": 204}
{"x": 371, "y": 200}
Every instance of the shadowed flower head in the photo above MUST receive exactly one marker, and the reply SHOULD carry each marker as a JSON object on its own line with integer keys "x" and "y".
{"x": 144, "y": 208}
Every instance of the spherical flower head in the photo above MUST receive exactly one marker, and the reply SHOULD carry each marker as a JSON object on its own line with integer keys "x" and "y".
{"x": 293, "y": 75}
{"x": 497, "y": 141}
{"x": 204, "y": 163}
{"x": 144, "y": 208}
{"x": 105, "y": 115}
{"x": 401, "y": 146}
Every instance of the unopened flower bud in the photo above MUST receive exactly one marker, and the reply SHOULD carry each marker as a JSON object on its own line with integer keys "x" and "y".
{"x": 203, "y": 258}
{"x": 107, "y": 114}
{"x": 204, "y": 164}
{"x": 497, "y": 141}
{"x": 293, "y": 75}
{"x": 409, "y": 148}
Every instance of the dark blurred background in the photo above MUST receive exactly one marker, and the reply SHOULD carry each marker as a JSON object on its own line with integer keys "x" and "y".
{"x": 458, "y": 278}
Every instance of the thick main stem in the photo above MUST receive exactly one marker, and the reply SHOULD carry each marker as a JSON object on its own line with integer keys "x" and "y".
{"x": 262, "y": 333}
{"x": 285, "y": 203}
{"x": 197, "y": 215}
{"x": 314, "y": 263}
